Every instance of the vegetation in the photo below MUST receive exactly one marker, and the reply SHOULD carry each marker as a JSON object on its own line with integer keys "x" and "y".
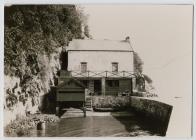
{"x": 86, "y": 32}
{"x": 32, "y": 31}
{"x": 138, "y": 63}
{"x": 23, "y": 126}
{"x": 140, "y": 77}
{"x": 113, "y": 102}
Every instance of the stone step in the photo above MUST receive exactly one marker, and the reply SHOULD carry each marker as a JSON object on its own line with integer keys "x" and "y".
{"x": 73, "y": 110}
{"x": 88, "y": 103}
{"x": 89, "y": 109}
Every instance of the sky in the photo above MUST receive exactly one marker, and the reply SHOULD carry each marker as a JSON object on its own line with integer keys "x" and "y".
{"x": 162, "y": 36}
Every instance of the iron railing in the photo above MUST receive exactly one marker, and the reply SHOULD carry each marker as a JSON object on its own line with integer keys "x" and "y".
{"x": 107, "y": 74}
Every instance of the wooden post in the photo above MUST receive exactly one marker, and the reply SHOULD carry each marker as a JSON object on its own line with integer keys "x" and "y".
{"x": 91, "y": 86}
{"x": 133, "y": 83}
{"x": 84, "y": 109}
{"x": 41, "y": 125}
{"x": 57, "y": 109}
{"x": 103, "y": 85}
{"x": 88, "y": 73}
{"x": 123, "y": 73}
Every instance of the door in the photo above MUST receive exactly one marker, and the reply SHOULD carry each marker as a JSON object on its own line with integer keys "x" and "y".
{"x": 97, "y": 87}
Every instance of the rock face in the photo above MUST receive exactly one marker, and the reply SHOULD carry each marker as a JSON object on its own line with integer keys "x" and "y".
{"x": 23, "y": 98}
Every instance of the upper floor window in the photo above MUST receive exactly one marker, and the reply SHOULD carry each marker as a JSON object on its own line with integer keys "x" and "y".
{"x": 114, "y": 67}
{"x": 83, "y": 67}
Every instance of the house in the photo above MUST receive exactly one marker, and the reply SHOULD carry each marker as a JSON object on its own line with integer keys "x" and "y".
{"x": 105, "y": 67}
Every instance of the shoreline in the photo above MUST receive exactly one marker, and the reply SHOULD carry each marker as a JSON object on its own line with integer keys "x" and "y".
{"x": 23, "y": 125}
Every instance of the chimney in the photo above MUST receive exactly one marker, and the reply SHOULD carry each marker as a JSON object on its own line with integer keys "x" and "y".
{"x": 127, "y": 39}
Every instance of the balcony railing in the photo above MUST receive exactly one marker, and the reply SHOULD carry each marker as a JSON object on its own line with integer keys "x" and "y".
{"x": 98, "y": 74}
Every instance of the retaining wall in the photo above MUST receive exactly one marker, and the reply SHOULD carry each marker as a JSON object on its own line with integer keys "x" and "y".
{"x": 154, "y": 111}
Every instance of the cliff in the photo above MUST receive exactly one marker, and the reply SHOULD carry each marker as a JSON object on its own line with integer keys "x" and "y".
{"x": 33, "y": 37}
{"x": 22, "y": 98}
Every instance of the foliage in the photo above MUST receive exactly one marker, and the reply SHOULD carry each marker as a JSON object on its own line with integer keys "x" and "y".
{"x": 140, "y": 77}
{"x": 113, "y": 102}
{"x": 86, "y": 32}
{"x": 138, "y": 63}
{"x": 32, "y": 31}
{"x": 147, "y": 78}
{"x": 22, "y": 126}
{"x": 11, "y": 98}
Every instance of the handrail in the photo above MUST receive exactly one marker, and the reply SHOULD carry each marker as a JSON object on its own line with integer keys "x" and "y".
{"x": 109, "y": 74}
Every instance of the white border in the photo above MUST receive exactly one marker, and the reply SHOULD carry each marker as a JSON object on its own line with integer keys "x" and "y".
{"x": 99, "y": 1}
{"x": 170, "y": 2}
{"x": 1, "y": 65}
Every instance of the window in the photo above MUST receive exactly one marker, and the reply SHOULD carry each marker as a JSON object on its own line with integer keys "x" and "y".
{"x": 83, "y": 67}
{"x": 114, "y": 67}
{"x": 113, "y": 83}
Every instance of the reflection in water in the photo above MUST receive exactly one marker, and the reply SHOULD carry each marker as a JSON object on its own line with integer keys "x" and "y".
{"x": 96, "y": 126}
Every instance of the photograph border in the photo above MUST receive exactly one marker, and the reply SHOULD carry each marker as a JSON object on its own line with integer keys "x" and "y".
{"x": 138, "y": 2}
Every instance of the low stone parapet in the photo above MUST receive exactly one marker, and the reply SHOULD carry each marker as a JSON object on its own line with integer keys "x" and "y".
{"x": 148, "y": 108}
{"x": 153, "y": 110}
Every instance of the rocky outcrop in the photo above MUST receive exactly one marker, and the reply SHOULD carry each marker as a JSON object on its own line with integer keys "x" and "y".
{"x": 26, "y": 97}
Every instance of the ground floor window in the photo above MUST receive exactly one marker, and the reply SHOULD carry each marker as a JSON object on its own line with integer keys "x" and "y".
{"x": 113, "y": 83}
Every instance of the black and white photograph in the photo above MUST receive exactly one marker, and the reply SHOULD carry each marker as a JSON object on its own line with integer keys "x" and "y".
{"x": 98, "y": 70}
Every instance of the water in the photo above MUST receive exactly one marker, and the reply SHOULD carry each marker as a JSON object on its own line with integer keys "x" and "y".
{"x": 97, "y": 126}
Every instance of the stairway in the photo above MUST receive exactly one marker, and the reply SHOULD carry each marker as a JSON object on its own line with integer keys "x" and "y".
{"x": 88, "y": 103}
{"x": 73, "y": 112}
{"x": 91, "y": 85}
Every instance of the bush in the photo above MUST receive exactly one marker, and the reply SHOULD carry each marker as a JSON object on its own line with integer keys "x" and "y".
{"x": 113, "y": 102}
{"x": 23, "y": 125}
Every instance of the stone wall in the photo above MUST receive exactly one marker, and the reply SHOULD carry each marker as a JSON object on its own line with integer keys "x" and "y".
{"x": 147, "y": 108}
{"x": 155, "y": 111}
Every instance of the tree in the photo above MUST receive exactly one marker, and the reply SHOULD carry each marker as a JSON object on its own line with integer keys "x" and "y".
{"x": 31, "y": 31}
{"x": 86, "y": 32}
{"x": 138, "y": 63}
{"x": 140, "y": 77}
{"x": 36, "y": 29}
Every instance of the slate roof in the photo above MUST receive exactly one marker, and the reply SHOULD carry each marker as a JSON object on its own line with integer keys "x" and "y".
{"x": 99, "y": 45}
